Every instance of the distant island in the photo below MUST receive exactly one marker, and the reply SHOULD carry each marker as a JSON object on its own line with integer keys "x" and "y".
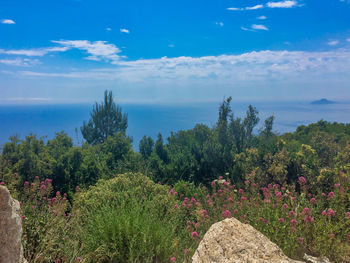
{"x": 323, "y": 102}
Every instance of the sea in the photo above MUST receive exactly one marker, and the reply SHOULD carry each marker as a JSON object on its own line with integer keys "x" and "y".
{"x": 147, "y": 119}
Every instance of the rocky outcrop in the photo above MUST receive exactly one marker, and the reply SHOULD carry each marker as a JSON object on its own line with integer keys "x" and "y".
{"x": 11, "y": 250}
{"x": 232, "y": 241}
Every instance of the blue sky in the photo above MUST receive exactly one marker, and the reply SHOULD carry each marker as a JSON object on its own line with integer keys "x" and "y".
{"x": 70, "y": 51}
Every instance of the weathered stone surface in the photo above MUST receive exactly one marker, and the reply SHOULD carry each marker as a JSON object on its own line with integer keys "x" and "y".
{"x": 232, "y": 241}
{"x": 11, "y": 250}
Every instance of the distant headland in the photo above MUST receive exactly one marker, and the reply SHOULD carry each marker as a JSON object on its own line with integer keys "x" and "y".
{"x": 323, "y": 102}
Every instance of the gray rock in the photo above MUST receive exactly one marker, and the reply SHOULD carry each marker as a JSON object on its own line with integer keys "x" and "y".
{"x": 11, "y": 250}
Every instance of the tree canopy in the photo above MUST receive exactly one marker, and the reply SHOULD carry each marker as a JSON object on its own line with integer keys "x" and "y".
{"x": 106, "y": 120}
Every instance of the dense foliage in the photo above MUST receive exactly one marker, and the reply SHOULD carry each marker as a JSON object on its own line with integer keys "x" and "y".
{"x": 294, "y": 187}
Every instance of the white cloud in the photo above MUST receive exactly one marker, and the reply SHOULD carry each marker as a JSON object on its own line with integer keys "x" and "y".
{"x": 282, "y": 4}
{"x": 109, "y": 29}
{"x": 254, "y": 7}
{"x": 348, "y": 39}
{"x": 123, "y": 30}
{"x": 8, "y": 21}
{"x": 245, "y": 8}
{"x": 246, "y": 29}
{"x": 39, "y": 52}
{"x": 252, "y": 66}
{"x": 171, "y": 45}
{"x": 221, "y": 24}
{"x": 98, "y": 50}
{"x": 19, "y": 62}
{"x": 259, "y": 27}
{"x": 234, "y": 9}
{"x": 261, "y": 17}
{"x": 333, "y": 42}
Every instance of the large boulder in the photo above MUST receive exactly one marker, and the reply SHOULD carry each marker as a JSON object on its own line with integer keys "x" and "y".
{"x": 232, "y": 241}
{"x": 11, "y": 250}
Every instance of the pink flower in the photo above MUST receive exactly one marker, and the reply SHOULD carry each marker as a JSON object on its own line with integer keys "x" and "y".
{"x": 278, "y": 195}
{"x": 302, "y": 180}
{"x": 348, "y": 215}
{"x": 176, "y": 206}
{"x": 42, "y": 187}
{"x": 204, "y": 212}
{"x": 78, "y": 258}
{"x": 226, "y": 214}
{"x": 281, "y": 220}
{"x": 194, "y": 234}
{"x": 172, "y": 259}
{"x": 331, "y": 195}
{"x": 186, "y": 251}
{"x": 26, "y": 183}
{"x": 300, "y": 240}
{"x": 331, "y": 235}
{"x": 285, "y": 206}
{"x": 309, "y": 219}
{"x": 213, "y": 183}
{"x": 331, "y": 212}
{"x": 293, "y": 222}
{"x": 323, "y": 194}
{"x": 2, "y": 183}
{"x": 313, "y": 201}
{"x": 324, "y": 212}
{"x": 336, "y": 185}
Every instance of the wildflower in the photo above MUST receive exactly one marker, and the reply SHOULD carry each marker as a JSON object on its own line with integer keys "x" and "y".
{"x": 241, "y": 191}
{"x": 302, "y": 180}
{"x": 2, "y": 183}
{"x": 172, "y": 259}
{"x": 26, "y": 183}
{"x": 324, "y": 212}
{"x": 331, "y": 212}
{"x": 300, "y": 240}
{"x": 77, "y": 188}
{"x": 323, "y": 194}
{"x": 309, "y": 219}
{"x": 78, "y": 258}
{"x": 58, "y": 260}
{"x": 278, "y": 195}
{"x": 331, "y": 195}
{"x": 348, "y": 215}
{"x": 42, "y": 187}
{"x": 293, "y": 222}
{"x": 194, "y": 234}
{"x": 176, "y": 206}
{"x": 313, "y": 201}
{"x": 281, "y": 220}
{"x": 243, "y": 198}
{"x": 331, "y": 235}
{"x": 336, "y": 185}
{"x": 58, "y": 193}
{"x": 213, "y": 183}
{"x": 23, "y": 216}
{"x": 306, "y": 211}
{"x": 186, "y": 250}
{"x": 284, "y": 206}
{"x": 292, "y": 213}
{"x": 226, "y": 214}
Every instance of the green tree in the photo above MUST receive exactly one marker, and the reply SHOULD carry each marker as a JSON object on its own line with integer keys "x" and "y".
{"x": 146, "y": 146}
{"x": 106, "y": 120}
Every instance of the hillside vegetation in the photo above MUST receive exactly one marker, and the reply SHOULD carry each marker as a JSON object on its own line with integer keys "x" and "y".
{"x": 104, "y": 202}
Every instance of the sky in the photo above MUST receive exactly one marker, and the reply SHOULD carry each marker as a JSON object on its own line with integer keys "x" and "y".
{"x": 158, "y": 51}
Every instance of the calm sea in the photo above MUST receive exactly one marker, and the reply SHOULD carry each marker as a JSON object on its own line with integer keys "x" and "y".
{"x": 45, "y": 120}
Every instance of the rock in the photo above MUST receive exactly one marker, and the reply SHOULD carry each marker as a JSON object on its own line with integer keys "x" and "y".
{"x": 310, "y": 259}
{"x": 232, "y": 241}
{"x": 11, "y": 250}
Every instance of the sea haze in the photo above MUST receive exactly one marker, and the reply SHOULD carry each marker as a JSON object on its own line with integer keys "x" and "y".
{"x": 45, "y": 120}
